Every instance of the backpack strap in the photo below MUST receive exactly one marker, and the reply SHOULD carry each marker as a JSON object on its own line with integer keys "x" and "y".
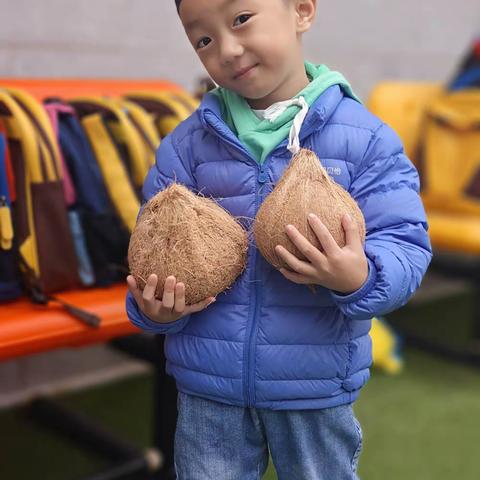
{"x": 122, "y": 131}
{"x": 168, "y": 109}
{"x": 52, "y": 110}
{"x": 44, "y": 130}
{"x": 19, "y": 128}
{"x": 144, "y": 124}
{"x": 113, "y": 171}
{"x": 190, "y": 102}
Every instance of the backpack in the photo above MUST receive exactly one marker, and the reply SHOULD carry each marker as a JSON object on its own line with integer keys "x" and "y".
{"x": 106, "y": 237}
{"x": 450, "y": 160}
{"x": 10, "y": 285}
{"x": 85, "y": 269}
{"x": 468, "y": 75}
{"x": 119, "y": 152}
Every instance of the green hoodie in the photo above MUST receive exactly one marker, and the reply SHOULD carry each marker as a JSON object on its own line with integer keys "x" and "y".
{"x": 260, "y": 137}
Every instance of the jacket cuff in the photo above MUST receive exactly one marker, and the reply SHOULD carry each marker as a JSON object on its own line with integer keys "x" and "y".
{"x": 362, "y": 291}
{"x": 139, "y": 319}
{"x": 166, "y": 328}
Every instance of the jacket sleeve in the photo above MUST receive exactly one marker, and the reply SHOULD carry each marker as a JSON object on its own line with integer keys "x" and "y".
{"x": 140, "y": 320}
{"x": 168, "y": 168}
{"x": 397, "y": 246}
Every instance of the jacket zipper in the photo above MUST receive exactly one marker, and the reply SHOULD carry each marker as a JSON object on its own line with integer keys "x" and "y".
{"x": 257, "y": 286}
{"x": 249, "y": 355}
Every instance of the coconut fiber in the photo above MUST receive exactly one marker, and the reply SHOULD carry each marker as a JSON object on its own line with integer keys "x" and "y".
{"x": 304, "y": 188}
{"x": 190, "y": 237}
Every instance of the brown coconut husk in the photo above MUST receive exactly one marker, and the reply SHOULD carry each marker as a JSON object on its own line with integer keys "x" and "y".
{"x": 304, "y": 188}
{"x": 190, "y": 237}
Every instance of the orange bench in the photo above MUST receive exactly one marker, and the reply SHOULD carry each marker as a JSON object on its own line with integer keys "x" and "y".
{"x": 26, "y": 328}
{"x": 42, "y": 88}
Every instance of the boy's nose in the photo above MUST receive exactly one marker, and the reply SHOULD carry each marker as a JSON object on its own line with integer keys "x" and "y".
{"x": 230, "y": 49}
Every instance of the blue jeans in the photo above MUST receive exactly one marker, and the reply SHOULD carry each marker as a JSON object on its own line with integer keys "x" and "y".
{"x": 222, "y": 442}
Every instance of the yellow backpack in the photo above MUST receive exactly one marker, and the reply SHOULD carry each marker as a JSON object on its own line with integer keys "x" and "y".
{"x": 450, "y": 158}
{"x": 41, "y": 230}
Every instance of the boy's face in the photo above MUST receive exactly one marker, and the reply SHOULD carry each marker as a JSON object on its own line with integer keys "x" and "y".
{"x": 252, "y": 47}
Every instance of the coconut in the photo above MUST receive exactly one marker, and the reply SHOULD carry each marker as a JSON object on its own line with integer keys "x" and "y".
{"x": 190, "y": 237}
{"x": 304, "y": 188}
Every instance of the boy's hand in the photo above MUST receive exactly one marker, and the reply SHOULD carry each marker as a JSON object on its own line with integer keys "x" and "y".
{"x": 172, "y": 306}
{"x": 341, "y": 269}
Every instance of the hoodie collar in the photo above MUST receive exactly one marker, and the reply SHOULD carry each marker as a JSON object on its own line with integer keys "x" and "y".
{"x": 318, "y": 114}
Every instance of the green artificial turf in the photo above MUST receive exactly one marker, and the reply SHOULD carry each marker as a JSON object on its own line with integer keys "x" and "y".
{"x": 423, "y": 424}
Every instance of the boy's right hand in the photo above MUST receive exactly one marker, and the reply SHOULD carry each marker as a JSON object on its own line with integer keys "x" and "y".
{"x": 172, "y": 306}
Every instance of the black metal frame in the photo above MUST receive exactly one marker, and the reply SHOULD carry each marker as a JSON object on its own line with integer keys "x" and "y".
{"x": 467, "y": 267}
{"x": 128, "y": 461}
{"x": 151, "y": 349}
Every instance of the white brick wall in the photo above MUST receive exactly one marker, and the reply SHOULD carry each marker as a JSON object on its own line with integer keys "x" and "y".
{"x": 368, "y": 40}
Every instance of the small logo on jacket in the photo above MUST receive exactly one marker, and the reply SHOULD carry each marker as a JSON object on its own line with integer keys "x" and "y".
{"x": 334, "y": 171}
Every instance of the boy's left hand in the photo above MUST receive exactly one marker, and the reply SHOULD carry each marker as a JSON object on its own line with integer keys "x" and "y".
{"x": 341, "y": 269}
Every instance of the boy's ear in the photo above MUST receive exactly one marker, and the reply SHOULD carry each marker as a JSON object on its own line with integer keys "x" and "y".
{"x": 305, "y": 12}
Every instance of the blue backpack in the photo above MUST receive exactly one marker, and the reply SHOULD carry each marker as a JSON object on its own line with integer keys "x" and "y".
{"x": 468, "y": 75}
{"x": 10, "y": 283}
{"x": 106, "y": 238}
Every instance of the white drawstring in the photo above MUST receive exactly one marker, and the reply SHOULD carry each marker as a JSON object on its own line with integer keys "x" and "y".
{"x": 275, "y": 110}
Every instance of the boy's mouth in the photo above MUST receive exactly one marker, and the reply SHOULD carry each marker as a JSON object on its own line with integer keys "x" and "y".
{"x": 243, "y": 72}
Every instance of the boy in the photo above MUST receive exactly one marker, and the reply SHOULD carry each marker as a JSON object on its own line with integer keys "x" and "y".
{"x": 272, "y": 367}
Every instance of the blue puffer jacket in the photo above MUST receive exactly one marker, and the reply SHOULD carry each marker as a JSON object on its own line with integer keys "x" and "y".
{"x": 268, "y": 342}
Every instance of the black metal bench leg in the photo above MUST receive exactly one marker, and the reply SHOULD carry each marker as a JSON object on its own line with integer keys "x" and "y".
{"x": 151, "y": 349}
{"x": 474, "y": 347}
{"x": 165, "y": 414}
{"x": 128, "y": 461}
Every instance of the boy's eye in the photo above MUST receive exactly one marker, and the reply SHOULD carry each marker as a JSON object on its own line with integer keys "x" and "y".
{"x": 242, "y": 18}
{"x": 203, "y": 42}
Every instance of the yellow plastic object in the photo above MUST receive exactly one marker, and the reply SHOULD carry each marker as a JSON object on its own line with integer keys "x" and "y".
{"x": 385, "y": 348}
{"x": 447, "y": 125}
{"x": 455, "y": 233}
{"x": 451, "y": 160}
{"x": 402, "y": 106}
